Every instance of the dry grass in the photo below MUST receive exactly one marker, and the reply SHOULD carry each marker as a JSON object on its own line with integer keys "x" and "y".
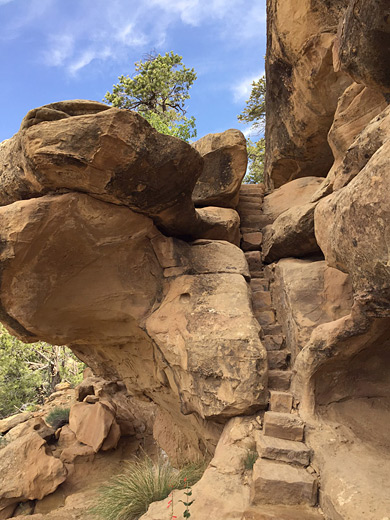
{"x": 128, "y": 496}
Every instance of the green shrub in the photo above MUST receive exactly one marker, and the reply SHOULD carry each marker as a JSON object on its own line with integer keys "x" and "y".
{"x": 128, "y": 496}
{"x": 3, "y": 442}
{"x": 250, "y": 459}
{"x": 58, "y": 417}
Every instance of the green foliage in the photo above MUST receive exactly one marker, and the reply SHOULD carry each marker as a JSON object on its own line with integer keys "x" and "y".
{"x": 250, "y": 459}
{"x": 29, "y": 372}
{"x": 128, "y": 496}
{"x": 169, "y": 124}
{"x": 3, "y": 442}
{"x": 256, "y": 156}
{"x": 254, "y": 113}
{"x": 58, "y": 417}
{"x": 158, "y": 92}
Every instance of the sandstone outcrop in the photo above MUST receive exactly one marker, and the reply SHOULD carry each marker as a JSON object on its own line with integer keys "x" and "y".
{"x": 225, "y": 162}
{"x": 28, "y": 472}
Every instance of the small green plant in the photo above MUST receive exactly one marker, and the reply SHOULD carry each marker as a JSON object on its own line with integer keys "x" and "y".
{"x": 3, "y": 442}
{"x": 58, "y": 417}
{"x": 128, "y": 496}
{"x": 250, "y": 459}
{"x": 188, "y": 502}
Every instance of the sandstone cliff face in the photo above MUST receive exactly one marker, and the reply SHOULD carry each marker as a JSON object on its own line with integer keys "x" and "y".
{"x": 336, "y": 322}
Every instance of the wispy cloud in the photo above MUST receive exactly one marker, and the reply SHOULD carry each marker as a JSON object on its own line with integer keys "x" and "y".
{"x": 110, "y": 29}
{"x": 242, "y": 89}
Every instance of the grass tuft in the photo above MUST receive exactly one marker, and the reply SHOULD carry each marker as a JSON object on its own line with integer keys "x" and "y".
{"x": 58, "y": 417}
{"x": 128, "y": 496}
{"x": 250, "y": 459}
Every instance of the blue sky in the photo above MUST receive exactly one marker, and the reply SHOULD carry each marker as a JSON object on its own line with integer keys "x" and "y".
{"x": 66, "y": 49}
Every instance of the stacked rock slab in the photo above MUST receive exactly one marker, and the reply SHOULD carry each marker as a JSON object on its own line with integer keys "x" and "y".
{"x": 279, "y": 476}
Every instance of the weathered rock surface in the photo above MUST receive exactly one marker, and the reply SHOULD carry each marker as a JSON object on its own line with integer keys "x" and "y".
{"x": 306, "y": 294}
{"x": 362, "y": 47}
{"x": 352, "y": 231}
{"x": 360, "y": 127}
{"x": 295, "y": 193}
{"x": 222, "y": 380}
{"x": 28, "y": 472}
{"x": 302, "y": 88}
{"x": 225, "y": 162}
{"x": 292, "y": 234}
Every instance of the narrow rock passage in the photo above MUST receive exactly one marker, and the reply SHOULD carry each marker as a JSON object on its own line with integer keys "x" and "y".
{"x": 281, "y": 476}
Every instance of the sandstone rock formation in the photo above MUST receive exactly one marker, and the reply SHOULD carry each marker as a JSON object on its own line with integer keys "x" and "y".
{"x": 302, "y": 88}
{"x": 85, "y": 263}
{"x": 107, "y": 253}
{"x": 225, "y": 161}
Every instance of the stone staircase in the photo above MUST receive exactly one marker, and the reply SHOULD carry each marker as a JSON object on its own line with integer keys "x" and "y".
{"x": 281, "y": 475}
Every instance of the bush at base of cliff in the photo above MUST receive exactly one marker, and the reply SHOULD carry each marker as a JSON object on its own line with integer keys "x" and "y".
{"x": 128, "y": 496}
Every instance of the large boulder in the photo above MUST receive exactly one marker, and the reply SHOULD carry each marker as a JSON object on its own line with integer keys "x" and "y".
{"x": 292, "y": 234}
{"x": 28, "y": 471}
{"x": 225, "y": 162}
{"x": 223, "y": 379}
{"x": 95, "y": 425}
{"x": 151, "y": 173}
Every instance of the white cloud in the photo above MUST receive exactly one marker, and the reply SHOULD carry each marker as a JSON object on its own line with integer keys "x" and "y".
{"x": 59, "y": 49}
{"x": 3, "y": 2}
{"x": 242, "y": 89}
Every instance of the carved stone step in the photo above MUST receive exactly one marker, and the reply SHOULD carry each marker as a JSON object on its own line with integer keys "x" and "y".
{"x": 282, "y": 513}
{"x": 265, "y": 317}
{"x": 254, "y": 218}
{"x": 279, "y": 379}
{"x": 283, "y": 450}
{"x": 273, "y": 342}
{"x": 243, "y": 205}
{"x": 280, "y": 401}
{"x": 261, "y": 300}
{"x": 278, "y": 359}
{"x": 273, "y": 330}
{"x": 252, "y": 228}
{"x": 256, "y": 199}
{"x": 283, "y": 426}
{"x": 260, "y": 284}
{"x": 251, "y": 241}
{"x": 254, "y": 261}
{"x": 279, "y": 483}
{"x": 252, "y": 188}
